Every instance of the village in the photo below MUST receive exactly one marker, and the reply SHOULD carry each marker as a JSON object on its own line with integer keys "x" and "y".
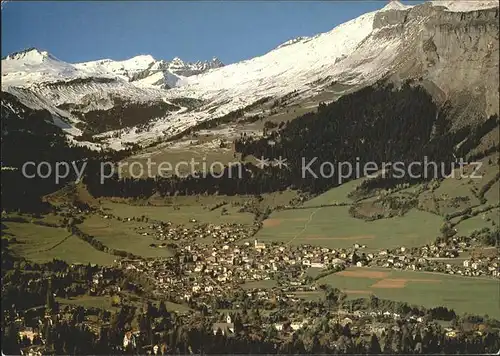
{"x": 223, "y": 268}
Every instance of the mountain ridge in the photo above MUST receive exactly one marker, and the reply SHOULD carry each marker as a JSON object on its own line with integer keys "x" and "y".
{"x": 126, "y": 69}
{"x": 424, "y": 42}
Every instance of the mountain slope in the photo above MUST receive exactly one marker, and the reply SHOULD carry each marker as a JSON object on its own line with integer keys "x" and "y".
{"x": 70, "y": 92}
{"x": 424, "y": 42}
{"x": 466, "y": 5}
{"x": 450, "y": 47}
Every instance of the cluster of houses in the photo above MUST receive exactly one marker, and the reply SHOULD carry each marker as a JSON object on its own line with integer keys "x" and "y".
{"x": 211, "y": 270}
{"x": 224, "y": 262}
{"x": 441, "y": 258}
{"x": 229, "y": 232}
{"x": 226, "y": 265}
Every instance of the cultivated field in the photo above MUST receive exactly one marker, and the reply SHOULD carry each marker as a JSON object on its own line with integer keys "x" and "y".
{"x": 463, "y": 294}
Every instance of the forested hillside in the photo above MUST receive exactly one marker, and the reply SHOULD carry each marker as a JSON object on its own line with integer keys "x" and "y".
{"x": 376, "y": 124}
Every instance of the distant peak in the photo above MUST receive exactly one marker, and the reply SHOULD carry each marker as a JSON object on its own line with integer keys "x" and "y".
{"x": 24, "y": 51}
{"x": 215, "y": 63}
{"x": 395, "y": 5}
{"x": 143, "y": 57}
{"x": 32, "y": 53}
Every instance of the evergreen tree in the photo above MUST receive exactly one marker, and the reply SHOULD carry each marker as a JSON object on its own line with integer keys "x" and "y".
{"x": 162, "y": 309}
{"x": 47, "y": 334}
{"x": 375, "y": 345}
{"x": 10, "y": 340}
{"x": 50, "y": 303}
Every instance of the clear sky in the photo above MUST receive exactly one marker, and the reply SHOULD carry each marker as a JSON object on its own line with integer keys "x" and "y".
{"x": 230, "y": 30}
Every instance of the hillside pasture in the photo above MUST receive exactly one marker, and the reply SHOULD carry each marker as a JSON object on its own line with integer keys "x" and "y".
{"x": 334, "y": 227}
{"x": 121, "y": 235}
{"x": 43, "y": 244}
{"x": 181, "y": 214}
{"x": 493, "y": 194}
{"x": 482, "y": 220}
{"x": 335, "y": 195}
{"x": 466, "y": 180}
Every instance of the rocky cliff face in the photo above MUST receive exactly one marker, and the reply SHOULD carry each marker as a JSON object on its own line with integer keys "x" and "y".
{"x": 454, "y": 54}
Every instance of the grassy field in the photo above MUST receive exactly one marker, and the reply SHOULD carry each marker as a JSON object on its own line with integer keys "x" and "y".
{"x": 122, "y": 235}
{"x": 493, "y": 194}
{"x": 450, "y": 188}
{"x": 466, "y": 227}
{"x": 475, "y": 178}
{"x": 42, "y": 244}
{"x": 463, "y": 294}
{"x": 86, "y": 301}
{"x": 205, "y": 159}
{"x": 270, "y": 283}
{"x": 334, "y": 227}
{"x": 335, "y": 195}
{"x": 104, "y": 302}
{"x": 181, "y": 216}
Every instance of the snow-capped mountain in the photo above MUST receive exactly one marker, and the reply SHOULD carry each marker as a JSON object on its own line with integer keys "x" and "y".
{"x": 36, "y": 66}
{"x": 143, "y": 67}
{"x": 72, "y": 91}
{"x": 451, "y": 47}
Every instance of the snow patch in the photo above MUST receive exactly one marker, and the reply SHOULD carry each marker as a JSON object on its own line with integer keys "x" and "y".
{"x": 466, "y": 5}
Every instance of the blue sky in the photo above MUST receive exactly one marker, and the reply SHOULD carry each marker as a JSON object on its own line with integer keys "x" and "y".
{"x": 229, "y": 30}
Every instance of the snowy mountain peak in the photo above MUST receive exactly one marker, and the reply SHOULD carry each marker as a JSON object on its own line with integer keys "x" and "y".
{"x": 35, "y": 66}
{"x": 31, "y": 55}
{"x": 395, "y": 5}
{"x": 215, "y": 63}
{"x": 186, "y": 69}
{"x": 177, "y": 61}
{"x": 141, "y": 60}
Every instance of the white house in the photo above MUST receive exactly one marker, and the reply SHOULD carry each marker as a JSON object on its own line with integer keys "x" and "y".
{"x": 317, "y": 265}
{"x": 259, "y": 245}
{"x": 129, "y": 339}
